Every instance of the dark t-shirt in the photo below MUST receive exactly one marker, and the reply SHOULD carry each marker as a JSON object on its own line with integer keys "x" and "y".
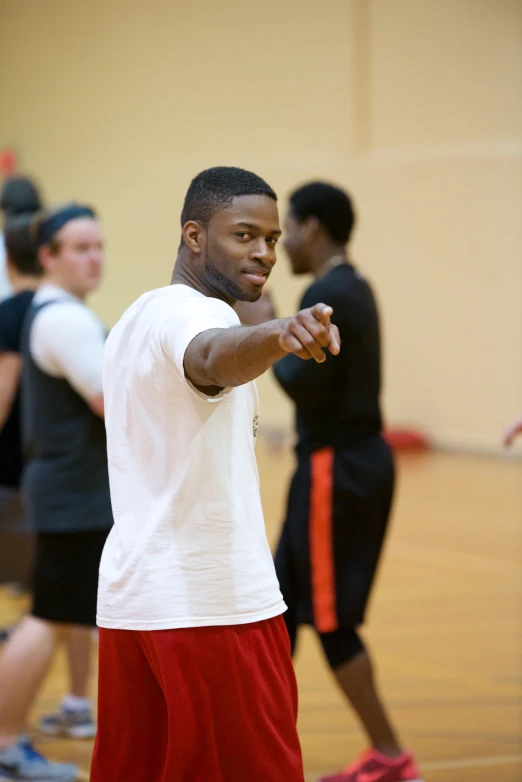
{"x": 12, "y": 315}
{"x": 338, "y": 401}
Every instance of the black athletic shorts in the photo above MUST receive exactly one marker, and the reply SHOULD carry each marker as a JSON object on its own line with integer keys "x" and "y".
{"x": 338, "y": 509}
{"x": 65, "y": 581}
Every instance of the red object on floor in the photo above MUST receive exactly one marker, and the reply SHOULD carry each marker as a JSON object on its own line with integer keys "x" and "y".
{"x": 374, "y": 767}
{"x": 7, "y": 162}
{"x": 202, "y": 704}
{"x": 406, "y": 440}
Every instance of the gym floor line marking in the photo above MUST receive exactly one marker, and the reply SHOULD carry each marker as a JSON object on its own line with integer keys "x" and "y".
{"x": 435, "y": 555}
{"x": 499, "y": 760}
{"x": 443, "y": 765}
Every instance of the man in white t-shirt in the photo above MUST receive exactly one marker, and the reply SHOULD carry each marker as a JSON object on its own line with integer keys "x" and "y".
{"x": 196, "y": 681}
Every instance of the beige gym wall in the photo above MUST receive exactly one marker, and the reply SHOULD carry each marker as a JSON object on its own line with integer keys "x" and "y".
{"x": 414, "y": 105}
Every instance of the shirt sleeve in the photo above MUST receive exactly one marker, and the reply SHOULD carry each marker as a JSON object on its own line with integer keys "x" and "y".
{"x": 193, "y": 316}
{"x": 306, "y": 382}
{"x": 67, "y": 341}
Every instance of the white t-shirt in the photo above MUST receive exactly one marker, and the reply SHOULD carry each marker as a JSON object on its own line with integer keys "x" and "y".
{"x": 67, "y": 340}
{"x": 188, "y": 547}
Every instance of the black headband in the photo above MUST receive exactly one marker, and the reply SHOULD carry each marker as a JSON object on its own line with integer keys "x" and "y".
{"x": 52, "y": 225}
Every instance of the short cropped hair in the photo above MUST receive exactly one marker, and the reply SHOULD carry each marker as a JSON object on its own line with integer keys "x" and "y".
{"x": 214, "y": 189}
{"x": 330, "y": 205}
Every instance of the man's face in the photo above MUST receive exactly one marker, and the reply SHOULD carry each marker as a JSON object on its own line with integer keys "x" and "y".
{"x": 77, "y": 263}
{"x": 296, "y": 243}
{"x": 240, "y": 247}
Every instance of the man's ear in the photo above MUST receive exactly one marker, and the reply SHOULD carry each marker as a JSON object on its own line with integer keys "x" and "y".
{"x": 46, "y": 257}
{"x": 193, "y": 236}
{"x": 311, "y": 228}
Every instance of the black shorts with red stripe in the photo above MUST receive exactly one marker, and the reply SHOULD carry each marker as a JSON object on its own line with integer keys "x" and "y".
{"x": 338, "y": 508}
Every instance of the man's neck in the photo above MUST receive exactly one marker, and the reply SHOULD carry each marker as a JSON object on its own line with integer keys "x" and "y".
{"x": 326, "y": 257}
{"x": 184, "y": 274}
{"x": 61, "y": 287}
{"x": 24, "y": 283}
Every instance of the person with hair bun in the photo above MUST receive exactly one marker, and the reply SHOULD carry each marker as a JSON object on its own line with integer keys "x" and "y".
{"x": 19, "y": 195}
{"x": 16, "y": 540}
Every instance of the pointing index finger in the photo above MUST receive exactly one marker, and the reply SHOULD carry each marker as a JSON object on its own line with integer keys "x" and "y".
{"x": 322, "y": 312}
{"x": 335, "y": 341}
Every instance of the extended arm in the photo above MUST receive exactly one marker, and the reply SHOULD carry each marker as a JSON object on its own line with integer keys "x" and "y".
{"x": 222, "y": 358}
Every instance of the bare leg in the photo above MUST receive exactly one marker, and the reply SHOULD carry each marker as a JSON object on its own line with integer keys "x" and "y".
{"x": 356, "y": 680}
{"x": 79, "y": 654}
{"x": 25, "y": 661}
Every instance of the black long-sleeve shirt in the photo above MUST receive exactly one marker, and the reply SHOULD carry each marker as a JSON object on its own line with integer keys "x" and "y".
{"x": 338, "y": 401}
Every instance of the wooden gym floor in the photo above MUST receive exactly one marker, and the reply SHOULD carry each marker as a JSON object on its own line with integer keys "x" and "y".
{"x": 445, "y": 626}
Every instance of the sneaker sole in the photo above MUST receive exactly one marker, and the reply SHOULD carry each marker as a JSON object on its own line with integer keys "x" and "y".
{"x": 65, "y": 778}
{"x": 409, "y": 780}
{"x": 78, "y": 732}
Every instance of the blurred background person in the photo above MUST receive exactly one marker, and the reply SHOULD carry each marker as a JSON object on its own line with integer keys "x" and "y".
{"x": 16, "y": 538}
{"x": 513, "y": 431}
{"x": 19, "y": 195}
{"x": 65, "y": 488}
{"x": 341, "y": 493}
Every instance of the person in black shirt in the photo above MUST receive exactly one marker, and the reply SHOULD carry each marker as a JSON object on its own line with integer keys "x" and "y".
{"x": 341, "y": 493}
{"x": 24, "y": 273}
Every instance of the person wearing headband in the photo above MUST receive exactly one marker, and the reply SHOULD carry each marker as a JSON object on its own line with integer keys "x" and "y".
{"x": 65, "y": 488}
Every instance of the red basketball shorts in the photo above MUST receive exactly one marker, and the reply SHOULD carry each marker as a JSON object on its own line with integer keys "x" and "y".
{"x": 204, "y": 704}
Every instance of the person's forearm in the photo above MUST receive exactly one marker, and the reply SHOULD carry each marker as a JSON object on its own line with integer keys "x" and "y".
{"x": 231, "y": 357}
{"x": 514, "y": 430}
{"x": 10, "y": 368}
{"x": 223, "y": 358}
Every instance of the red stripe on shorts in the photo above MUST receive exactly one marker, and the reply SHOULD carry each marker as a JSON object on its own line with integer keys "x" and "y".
{"x": 321, "y": 541}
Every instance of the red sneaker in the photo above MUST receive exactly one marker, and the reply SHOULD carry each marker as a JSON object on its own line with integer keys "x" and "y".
{"x": 374, "y": 767}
